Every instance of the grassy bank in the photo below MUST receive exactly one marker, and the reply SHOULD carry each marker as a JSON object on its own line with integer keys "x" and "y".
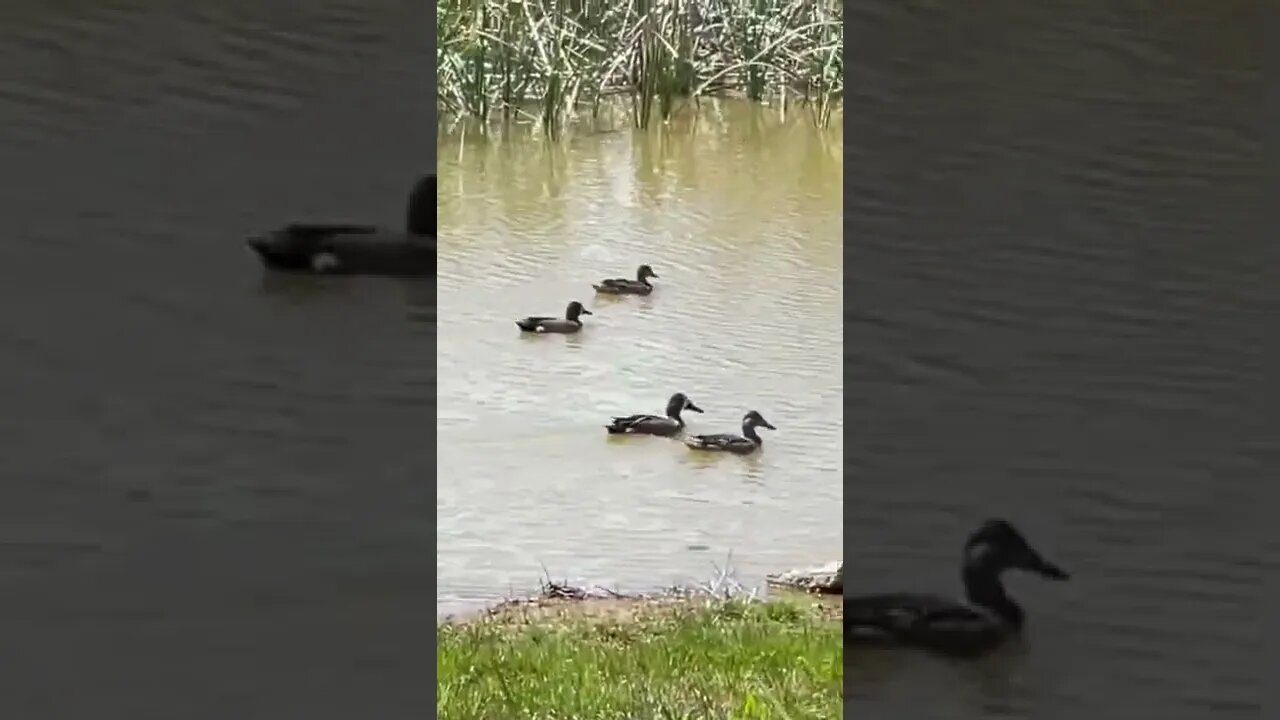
{"x": 551, "y": 60}
{"x": 668, "y": 657}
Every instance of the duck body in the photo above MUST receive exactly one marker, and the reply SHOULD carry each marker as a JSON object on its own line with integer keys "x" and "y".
{"x": 962, "y": 627}
{"x": 666, "y": 426}
{"x": 626, "y": 286}
{"x": 352, "y": 249}
{"x": 570, "y": 323}
{"x": 934, "y": 622}
{"x": 342, "y": 249}
{"x": 746, "y": 443}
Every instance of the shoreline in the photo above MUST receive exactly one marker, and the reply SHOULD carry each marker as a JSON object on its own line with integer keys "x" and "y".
{"x": 584, "y": 652}
{"x": 557, "y": 600}
{"x": 822, "y": 583}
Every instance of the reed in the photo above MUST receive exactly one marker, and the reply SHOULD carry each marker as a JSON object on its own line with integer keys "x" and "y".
{"x": 555, "y": 61}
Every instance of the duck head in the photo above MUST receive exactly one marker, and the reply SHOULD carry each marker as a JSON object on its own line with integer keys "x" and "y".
{"x": 680, "y": 402}
{"x": 421, "y": 215}
{"x": 754, "y": 419}
{"x": 574, "y": 310}
{"x": 645, "y": 272}
{"x": 997, "y": 546}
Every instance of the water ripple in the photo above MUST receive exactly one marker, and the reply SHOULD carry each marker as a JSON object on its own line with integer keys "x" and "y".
{"x": 746, "y": 316}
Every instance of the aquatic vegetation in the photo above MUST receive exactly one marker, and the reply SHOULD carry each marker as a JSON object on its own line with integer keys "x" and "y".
{"x": 552, "y": 61}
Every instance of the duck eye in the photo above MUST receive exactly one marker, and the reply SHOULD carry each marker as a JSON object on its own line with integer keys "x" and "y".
{"x": 978, "y": 552}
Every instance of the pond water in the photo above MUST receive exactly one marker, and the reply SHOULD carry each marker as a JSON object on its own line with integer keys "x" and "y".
{"x": 213, "y": 503}
{"x": 739, "y": 212}
{"x": 1059, "y": 317}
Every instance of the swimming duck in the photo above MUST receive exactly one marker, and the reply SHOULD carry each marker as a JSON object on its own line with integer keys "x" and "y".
{"x": 349, "y": 249}
{"x": 655, "y": 424}
{"x": 626, "y": 286}
{"x": 985, "y": 618}
{"x": 748, "y": 442}
{"x": 545, "y": 324}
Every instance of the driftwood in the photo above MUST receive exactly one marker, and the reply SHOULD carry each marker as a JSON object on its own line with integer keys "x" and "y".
{"x": 825, "y": 580}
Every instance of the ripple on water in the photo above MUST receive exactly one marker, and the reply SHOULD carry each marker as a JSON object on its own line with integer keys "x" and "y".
{"x": 745, "y": 315}
{"x": 203, "y": 62}
{"x": 1072, "y": 341}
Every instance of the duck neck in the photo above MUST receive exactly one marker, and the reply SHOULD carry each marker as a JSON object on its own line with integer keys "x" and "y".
{"x": 673, "y": 410}
{"x": 983, "y": 587}
{"x": 749, "y": 432}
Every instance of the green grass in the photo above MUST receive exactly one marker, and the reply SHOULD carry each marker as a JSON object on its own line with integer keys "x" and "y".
{"x": 640, "y": 659}
{"x": 553, "y": 61}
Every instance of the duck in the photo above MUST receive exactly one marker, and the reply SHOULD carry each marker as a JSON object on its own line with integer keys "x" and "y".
{"x": 546, "y": 324}
{"x": 354, "y": 249}
{"x": 626, "y": 286}
{"x": 979, "y": 623}
{"x": 667, "y": 425}
{"x": 749, "y": 442}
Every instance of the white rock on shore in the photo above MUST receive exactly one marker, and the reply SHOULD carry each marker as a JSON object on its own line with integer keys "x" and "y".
{"x": 825, "y": 579}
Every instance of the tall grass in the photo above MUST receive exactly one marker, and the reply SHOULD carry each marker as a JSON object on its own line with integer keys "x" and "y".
{"x": 554, "y": 60}
{"x": 694, "y": 658}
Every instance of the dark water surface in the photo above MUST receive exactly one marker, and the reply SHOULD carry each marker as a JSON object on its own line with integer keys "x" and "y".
{"x": 1058, "y": 281}
{"x": 215, "y": 497}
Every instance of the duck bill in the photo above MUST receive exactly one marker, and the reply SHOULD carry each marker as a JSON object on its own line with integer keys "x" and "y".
{"x": 693, "y": 407}
{"x": 585, "y": 311}
{"x": 765, "y": 424}
{"x": 1044, "y": 568}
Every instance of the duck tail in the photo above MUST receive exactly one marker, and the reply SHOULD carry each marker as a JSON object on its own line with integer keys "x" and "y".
{"x": 616, "y": 427}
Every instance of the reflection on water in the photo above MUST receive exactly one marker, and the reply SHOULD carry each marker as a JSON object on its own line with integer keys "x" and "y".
{"x": 1059, "y": 318}
{"x": 739, "y": 215}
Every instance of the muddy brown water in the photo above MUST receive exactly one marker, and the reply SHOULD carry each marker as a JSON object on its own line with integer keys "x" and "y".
{"x": 1058, "y": 317}
{"x": 215, "y": 501}
{"x": 738, "y": 212}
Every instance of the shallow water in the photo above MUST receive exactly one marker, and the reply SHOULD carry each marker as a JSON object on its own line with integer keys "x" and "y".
{"x": 739, "y": 214}
{"x": 212, "y": 501}
{"x": 1059, "y": 319}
